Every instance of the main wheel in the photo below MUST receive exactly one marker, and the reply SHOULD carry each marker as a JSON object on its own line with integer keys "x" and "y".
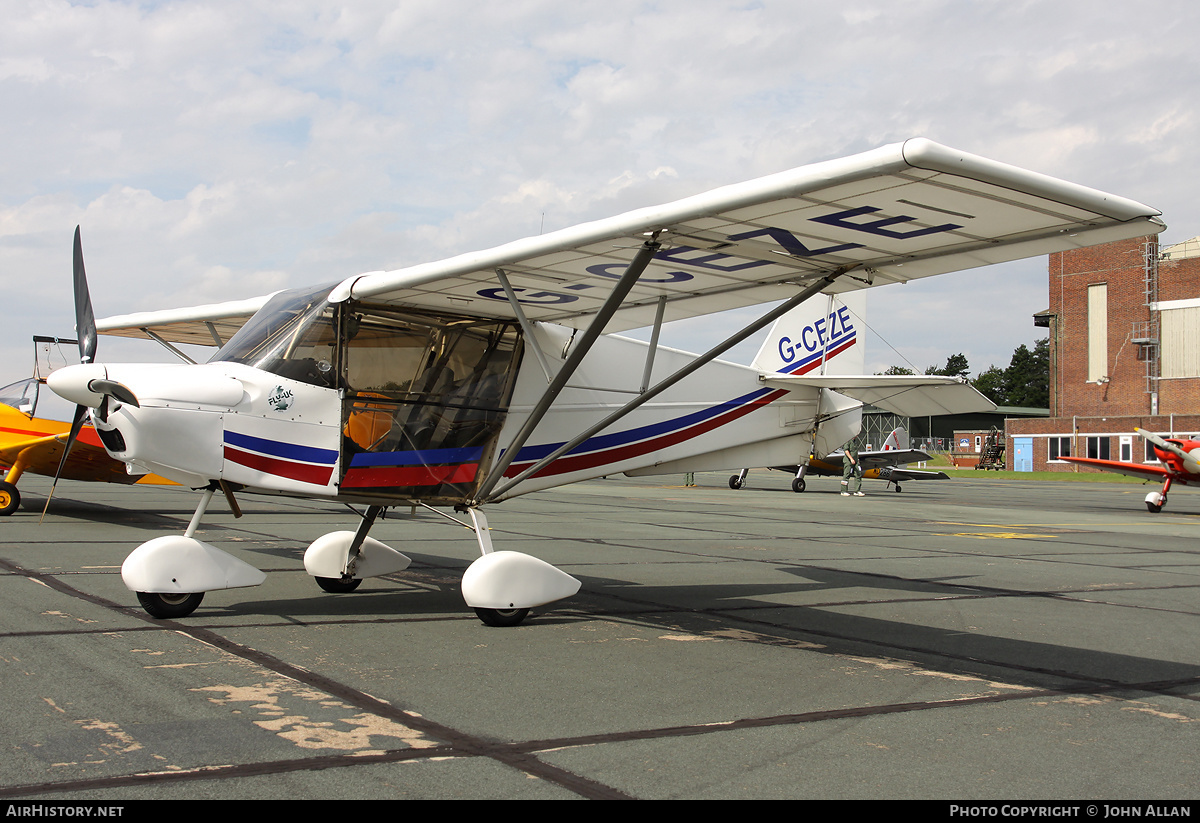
{"x": 338, "y": 585}
{"x": 502, "y": 617}
{"x": 169, "y": 606}
{"x": 798, "y": 484}
{"x": 10, "y": 498}
{"x": 735, "y": 482}
{"x": 1154, "y": 508}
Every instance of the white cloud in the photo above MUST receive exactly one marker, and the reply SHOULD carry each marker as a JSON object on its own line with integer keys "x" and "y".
{"x": 213, "y": 149}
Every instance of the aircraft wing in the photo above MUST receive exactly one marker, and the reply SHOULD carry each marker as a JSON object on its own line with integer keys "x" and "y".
{"x": 894, "y": 214}
{"x": 1132, "y": 469}
{"x": 894, "y": 474}
{"x": 905, "y": 395}
{"x": 87, "y": 461}
{"x": 208, "y": 325}
{"x": 878, "y": 459}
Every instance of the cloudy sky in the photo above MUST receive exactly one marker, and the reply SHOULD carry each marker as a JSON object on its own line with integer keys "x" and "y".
{"x": 215, "y": 150}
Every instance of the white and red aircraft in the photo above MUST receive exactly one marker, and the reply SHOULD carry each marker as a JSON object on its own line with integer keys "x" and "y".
{"x": 1180, "y": 464}
{"x": 465, "y": 382}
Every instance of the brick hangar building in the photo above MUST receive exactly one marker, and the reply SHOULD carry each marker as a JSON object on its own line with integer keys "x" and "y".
{"x": 1124, "y": 328}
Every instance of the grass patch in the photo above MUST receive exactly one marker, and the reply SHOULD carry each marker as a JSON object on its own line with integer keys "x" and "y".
{"x": 1070, "y": 476}
{"x": 941, "y": 462}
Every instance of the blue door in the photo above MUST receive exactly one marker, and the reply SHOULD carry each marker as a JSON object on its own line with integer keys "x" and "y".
{"x": 1023, "y": 454}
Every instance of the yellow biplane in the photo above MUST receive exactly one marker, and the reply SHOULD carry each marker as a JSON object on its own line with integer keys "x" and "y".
{"x": 33, "y": 444}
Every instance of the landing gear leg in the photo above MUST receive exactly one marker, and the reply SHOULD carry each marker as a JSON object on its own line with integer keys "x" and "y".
{"x": 798, "y": 484}
{"x": 171, "y": 574}
{"x": 348, "y": 582}
{"x": 502, "y": 586}
{"x": 1156, "y": 500}
{"x": 170, "y": 605}
{"x": 340, "y": 561}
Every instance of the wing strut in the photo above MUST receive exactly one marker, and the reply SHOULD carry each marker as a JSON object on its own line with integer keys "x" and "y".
{"x": 167, "y": 345}
{"x": 711, "y": 354}
{"x": 581, "y": 348}
{"x": 531, "y": 341}
{"x": 658, "y": 318}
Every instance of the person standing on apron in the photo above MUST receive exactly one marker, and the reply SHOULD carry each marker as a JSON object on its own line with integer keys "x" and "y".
{"x": 851, "y": 471}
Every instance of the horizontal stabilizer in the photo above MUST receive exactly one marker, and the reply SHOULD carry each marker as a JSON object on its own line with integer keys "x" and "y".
{"x": 905, "y": 395}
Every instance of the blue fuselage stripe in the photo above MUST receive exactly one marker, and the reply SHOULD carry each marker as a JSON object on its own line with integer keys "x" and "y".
{"x": 423, "y": 457}
{"x": 288, "y": 451}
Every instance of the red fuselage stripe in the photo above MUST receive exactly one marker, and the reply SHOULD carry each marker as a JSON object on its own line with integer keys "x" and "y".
{"x": 393, "y": 476}
{"x": 301, "y": 472}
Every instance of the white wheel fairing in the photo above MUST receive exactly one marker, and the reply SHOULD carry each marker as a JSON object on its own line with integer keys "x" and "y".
{"x": 180, "y": 565}
{"x": 512, "y": 580}
{"x": 328, "y": 555}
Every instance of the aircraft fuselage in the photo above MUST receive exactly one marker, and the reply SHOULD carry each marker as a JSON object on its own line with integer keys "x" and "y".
{"x": 379, "y": 405}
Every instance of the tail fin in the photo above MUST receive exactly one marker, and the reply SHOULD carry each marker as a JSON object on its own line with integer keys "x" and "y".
{"x": 897, "y": 440}
{"x": 823, "y": 335}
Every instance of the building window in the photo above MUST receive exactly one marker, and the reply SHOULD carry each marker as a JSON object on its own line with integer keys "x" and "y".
{"x": 1097, "y": 448}
{"x": 1060, "y": 447}
{"x": 1181, "y": 342}
{"x": 1097, "y": 328}
{"x": 1151, "y": 455}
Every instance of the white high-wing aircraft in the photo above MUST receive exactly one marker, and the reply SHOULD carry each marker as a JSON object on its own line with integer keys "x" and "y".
{"x": 467, "y": 381}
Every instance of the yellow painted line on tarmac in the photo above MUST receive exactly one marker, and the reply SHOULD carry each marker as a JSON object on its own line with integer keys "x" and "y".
{"x": 1001, "y": 535}
{"x": 1005, "y": 531}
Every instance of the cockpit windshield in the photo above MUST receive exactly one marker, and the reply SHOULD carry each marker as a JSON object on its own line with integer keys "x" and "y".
{"x": 22, "y": 395}
{"x": 293, "y": 336}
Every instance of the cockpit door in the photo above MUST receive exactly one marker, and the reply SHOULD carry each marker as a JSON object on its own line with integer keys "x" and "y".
{"x": 425, "y": 398}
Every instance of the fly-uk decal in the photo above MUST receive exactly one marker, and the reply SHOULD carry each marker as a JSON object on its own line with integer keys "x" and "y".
{"x": 850, "y": 219}
{"x": 280, "y": 399}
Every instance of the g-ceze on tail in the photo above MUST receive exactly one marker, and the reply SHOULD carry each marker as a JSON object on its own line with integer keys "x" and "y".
{"x": 467, "y": 381}
{"x": 1179, "y": 464}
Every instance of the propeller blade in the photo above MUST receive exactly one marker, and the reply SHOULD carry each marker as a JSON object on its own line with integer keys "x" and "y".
{"x": 85, "y": 319}
{"x": 116, "y": 390}
{"x": 85, "y": 330}
{"x": 76, "y": 425}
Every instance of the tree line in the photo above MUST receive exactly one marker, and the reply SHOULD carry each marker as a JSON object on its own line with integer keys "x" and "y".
{"x": 1025, "y": 382}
